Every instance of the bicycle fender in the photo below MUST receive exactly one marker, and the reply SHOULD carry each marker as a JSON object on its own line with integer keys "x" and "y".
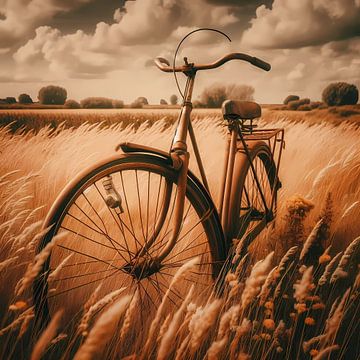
{"x": 129, "y": 148}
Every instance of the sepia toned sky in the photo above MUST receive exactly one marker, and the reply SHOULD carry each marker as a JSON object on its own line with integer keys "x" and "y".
{"x": 106, "y": 47}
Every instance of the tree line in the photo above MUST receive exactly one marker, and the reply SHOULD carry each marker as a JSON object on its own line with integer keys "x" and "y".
{"x": 339, "y": 93}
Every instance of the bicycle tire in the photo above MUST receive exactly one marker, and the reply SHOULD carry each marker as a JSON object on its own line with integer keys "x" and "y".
{"x": 197, "y": 198}
{"x": 244, "y": 186}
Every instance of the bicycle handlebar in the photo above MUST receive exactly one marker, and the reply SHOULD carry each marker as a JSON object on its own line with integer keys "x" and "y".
{"x": 164, "y": 65}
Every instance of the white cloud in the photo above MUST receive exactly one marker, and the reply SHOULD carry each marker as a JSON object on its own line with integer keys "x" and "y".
{"x": 297, "y": 73}
{"x": 21, "y": 17}
{"x": 140, "y": 26}
{"x": 293, "y": 23}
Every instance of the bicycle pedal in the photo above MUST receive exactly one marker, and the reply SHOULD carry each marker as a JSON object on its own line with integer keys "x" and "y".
{"x": 113, "y": 198}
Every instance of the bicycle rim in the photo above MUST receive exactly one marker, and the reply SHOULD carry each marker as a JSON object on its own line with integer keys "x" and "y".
{"x": 98, "y": 242}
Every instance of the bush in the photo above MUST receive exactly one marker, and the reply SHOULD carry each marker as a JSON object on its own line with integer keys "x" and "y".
{"x": 10, "y": 100}
{"x": 25, "y": 99}
{"x": 305, "y": 107}
{"x": 139, "y": 103}
{"x": 117, "y": 104}
{"x": 52, "y": 95}
{"x": 293, "y": 105}
{"x": 142, "y": 100}
{"x": 340, "y": 93}
{"x": 96, "y": 103}
{"x": 316, "y": 104}
{"x": 214, "y": 95}
{"x": 173, "y": 99}
{"x": 163, "y": 102}
{"x": 291, "y": 98}
{"x": 72, "y": 104}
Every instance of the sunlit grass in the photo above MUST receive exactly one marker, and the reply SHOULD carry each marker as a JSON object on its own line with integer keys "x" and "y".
{"x": 289, "y": 305}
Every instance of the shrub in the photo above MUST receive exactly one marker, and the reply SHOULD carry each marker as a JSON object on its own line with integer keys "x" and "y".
{"x": 72, "y": 104}
{"x": 96, "y": 103}
{"x": 214, "y": 95}
{"x": 163, "y": 102}
{"x": 315, "y": 104}
{"x": 25, "y": 99}
{"x": 304, "y": 107}
{"x": 52, "y": 95}
{"x": 340, "y": 93}
{"x": 142, "y": 100}
{"x": 173, "y": 99}
{"x": 10, "y": 100}
{"x": 136, "y": 105}
{"x": 291, "y": 98}
{"x": 293, "y": 105}
{"x": 197, "y": 104}
{"x": 139, "y": 103}
{"x": 117, "y": 104}
{"x": 322, "y": 106}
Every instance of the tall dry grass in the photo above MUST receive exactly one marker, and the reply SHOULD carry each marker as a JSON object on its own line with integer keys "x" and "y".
{"x": 302, "y": 308}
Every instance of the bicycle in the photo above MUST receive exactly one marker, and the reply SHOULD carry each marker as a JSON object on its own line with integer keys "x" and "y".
{"x": 142, "y": 214}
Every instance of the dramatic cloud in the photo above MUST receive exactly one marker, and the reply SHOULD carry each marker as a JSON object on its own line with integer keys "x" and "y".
{"x": 294, "y": 24}
{"x": 98, "y": 47}
{"x": 139, "y": 24}
{"x": 18, "y": 18}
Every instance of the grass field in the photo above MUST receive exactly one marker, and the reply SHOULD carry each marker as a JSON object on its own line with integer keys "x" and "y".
{"x": 301, "y": 301}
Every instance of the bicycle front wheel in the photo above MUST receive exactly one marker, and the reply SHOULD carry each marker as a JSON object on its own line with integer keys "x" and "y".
{"x": 106, "y": 217}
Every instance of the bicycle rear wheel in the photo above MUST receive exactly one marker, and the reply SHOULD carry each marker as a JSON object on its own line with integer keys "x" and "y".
{"x": 102, "y": 239}
{"x": 251, "y": 201}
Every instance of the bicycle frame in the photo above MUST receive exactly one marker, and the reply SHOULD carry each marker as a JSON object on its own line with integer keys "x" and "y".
{"x": 179, "y": 156}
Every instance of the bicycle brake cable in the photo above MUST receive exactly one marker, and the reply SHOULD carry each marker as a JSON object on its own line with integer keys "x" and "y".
{"x": 178, "y": 47}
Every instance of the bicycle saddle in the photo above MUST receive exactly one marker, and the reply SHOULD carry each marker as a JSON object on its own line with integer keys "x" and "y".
{"x": 241, "y": 109}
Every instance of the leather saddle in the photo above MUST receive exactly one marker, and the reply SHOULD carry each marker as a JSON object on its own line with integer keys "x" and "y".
{"x": 241, "y": 109}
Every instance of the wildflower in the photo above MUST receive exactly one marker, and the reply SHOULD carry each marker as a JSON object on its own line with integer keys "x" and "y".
{"x": 318, "y": 306}
{"x": 279, "y": 349}
{"x": 313, "y": 298}
{"x": 18, "y": 305}
{"x": 269, "y": 324}
{"x": 256, "y": 337}
{"x": 292, "y": 314}
{"x": 324, "y": 258}
{"x": 300, "y": 307}
{"x": 309, "y": 321}
{"x": 265, "y": 336}
{"x": 269, "y": 305}
{"x": 314, "y": 352}
{"x": 268, "y": 312}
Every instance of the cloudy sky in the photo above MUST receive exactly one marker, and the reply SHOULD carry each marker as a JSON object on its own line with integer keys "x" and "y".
{"x": 106, "y": 47}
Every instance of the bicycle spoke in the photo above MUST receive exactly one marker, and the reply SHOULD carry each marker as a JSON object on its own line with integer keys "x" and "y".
{"x": 81, "y": 285}
{"x": 81, "y": 275}
{"x": 89, "y": 256}
{"x": 139, "y": 203}
{"x": 93, "y": 241}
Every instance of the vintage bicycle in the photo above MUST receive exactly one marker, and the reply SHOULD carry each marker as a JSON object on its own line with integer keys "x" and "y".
{"x": 133, "y": 219}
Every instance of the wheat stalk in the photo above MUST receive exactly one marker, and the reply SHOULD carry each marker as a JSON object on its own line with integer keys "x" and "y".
{"x": 103, "y": 330}
{"x": 107, "y": 299}
{"x": 169, "y": 335}
{"x": 255, "y": 280}
{"x": 46, "y": 336}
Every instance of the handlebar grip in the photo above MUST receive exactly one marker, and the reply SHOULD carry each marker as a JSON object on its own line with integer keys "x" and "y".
{"x": 261, "y": 64}
{"x": 162, "y": 63}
